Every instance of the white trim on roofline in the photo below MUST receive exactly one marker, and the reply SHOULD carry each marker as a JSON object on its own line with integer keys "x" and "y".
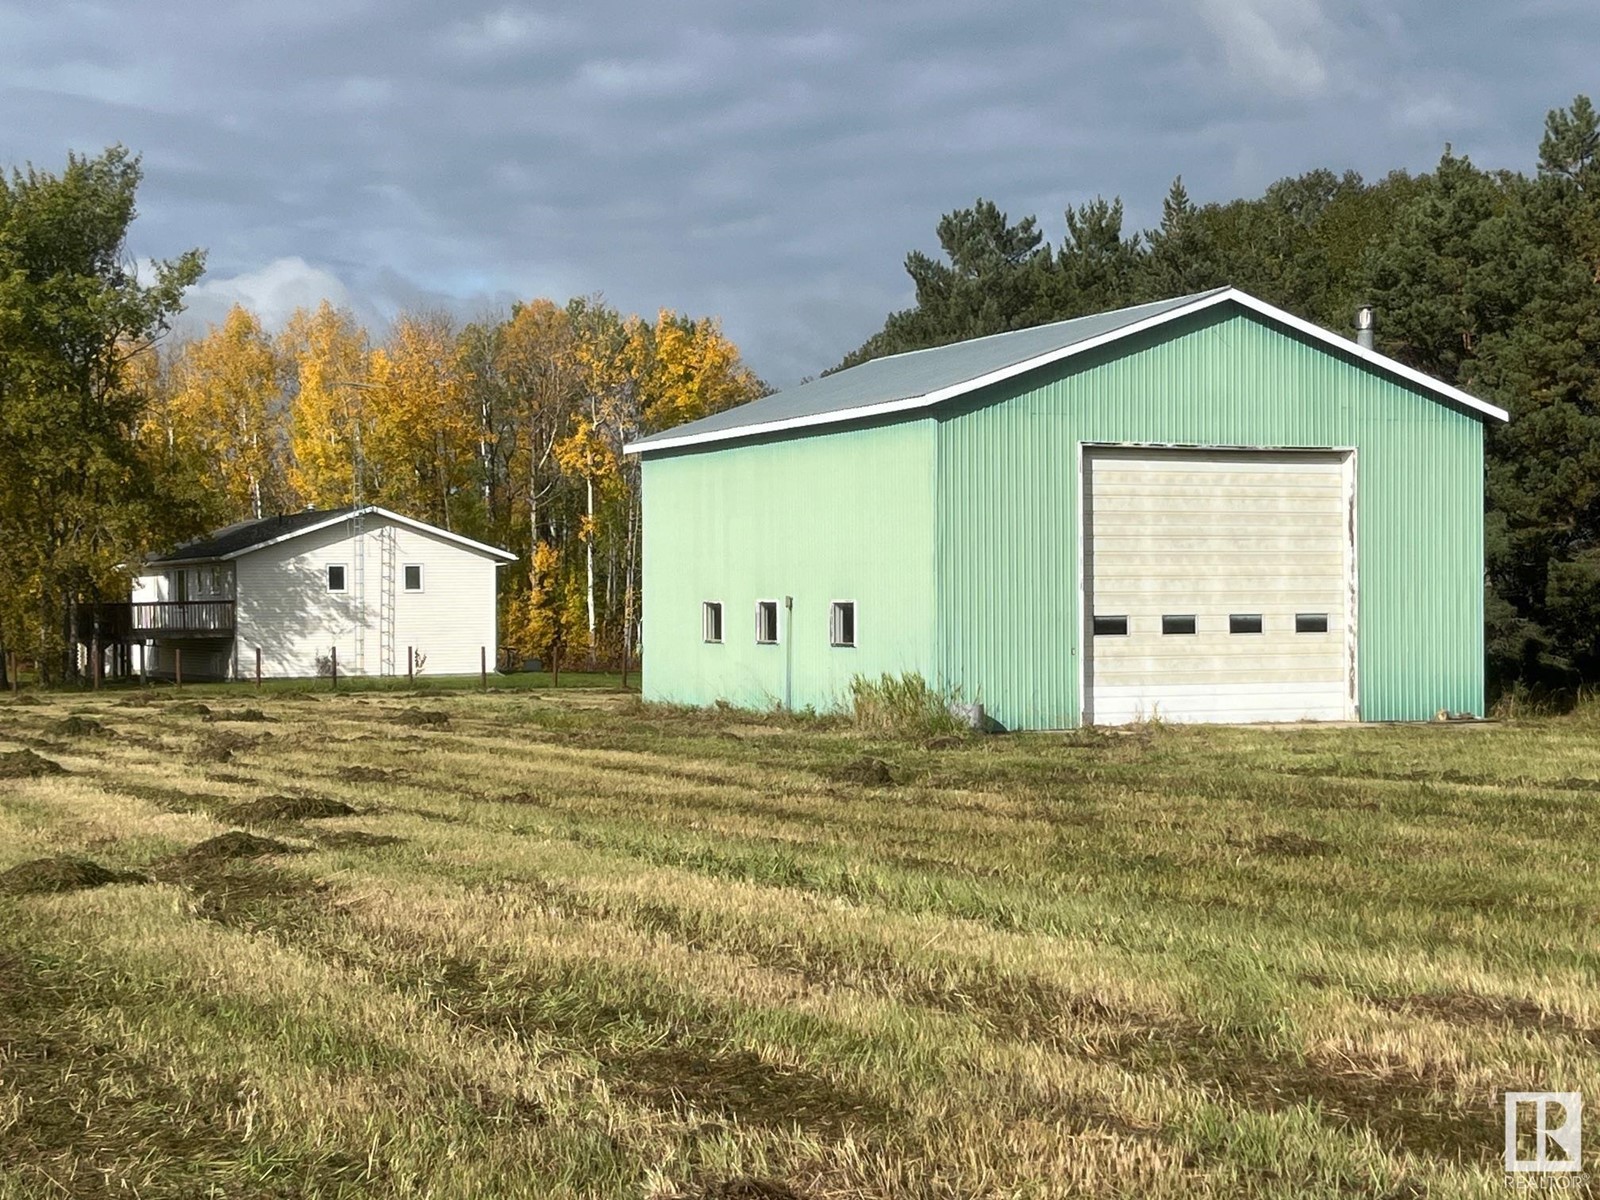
{"x": 1269, "y": 311}
{"x": 373, "y": 509}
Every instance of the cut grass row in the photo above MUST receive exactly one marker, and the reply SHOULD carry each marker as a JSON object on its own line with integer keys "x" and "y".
{"x": 622, "y": 951}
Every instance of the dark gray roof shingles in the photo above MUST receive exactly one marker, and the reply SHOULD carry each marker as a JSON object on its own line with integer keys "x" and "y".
{"x": 247, "y": 534}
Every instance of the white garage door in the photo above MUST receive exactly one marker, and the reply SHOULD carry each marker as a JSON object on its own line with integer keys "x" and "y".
{"x": 1218, "y": 585}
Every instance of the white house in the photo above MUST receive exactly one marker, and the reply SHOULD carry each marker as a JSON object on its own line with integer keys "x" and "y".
{"x": 368, "y": 583}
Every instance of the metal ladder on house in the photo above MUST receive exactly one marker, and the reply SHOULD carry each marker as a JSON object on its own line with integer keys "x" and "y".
{"x": 358, "y": 589}
{"x": 387, "y": 553}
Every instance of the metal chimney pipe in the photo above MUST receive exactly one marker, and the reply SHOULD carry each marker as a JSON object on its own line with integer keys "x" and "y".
{"x": 1364, "y": 327}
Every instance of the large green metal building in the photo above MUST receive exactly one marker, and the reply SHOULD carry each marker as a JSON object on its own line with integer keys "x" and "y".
{"x": 1203, "y": 509}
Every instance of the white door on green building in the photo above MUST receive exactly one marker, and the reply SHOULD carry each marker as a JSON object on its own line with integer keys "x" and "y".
{"x": 1218, "y": 585}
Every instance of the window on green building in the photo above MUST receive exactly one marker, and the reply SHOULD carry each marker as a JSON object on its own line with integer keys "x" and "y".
{"x": 766, "y": 621}
{"x": 842, "y": 623}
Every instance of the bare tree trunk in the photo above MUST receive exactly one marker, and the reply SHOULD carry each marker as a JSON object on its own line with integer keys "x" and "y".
{"x": 588, "y": 546}
{"x": 627, "y": 592}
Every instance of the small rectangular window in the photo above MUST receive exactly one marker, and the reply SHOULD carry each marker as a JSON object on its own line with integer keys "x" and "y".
{"x": 842, "y": 623}
{"x": 336, "y": 577}
{"x": 711, "y": 621}
{"x": 766, "y": 622}
{"x": 413, "y": 573}
{"x": 1311, "y": 622}
{"x": 1244, "y": 623}
{"x": 1178, "y": 624}
{"x": 1111, "y": 627}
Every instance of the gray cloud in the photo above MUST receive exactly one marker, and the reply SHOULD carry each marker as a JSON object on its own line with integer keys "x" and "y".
{"x": 771, "y": 166}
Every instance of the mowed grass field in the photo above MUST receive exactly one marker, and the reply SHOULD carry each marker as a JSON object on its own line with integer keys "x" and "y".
{"x": 564, "y": 944}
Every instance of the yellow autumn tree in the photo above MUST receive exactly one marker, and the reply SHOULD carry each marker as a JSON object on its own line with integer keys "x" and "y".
{"x": 692, "y": 372}
{"x": 327, "y": 355}
{"x": 423, "y": 434}
{"x": 542, "y": 377}
{"x": 228, "y": 389}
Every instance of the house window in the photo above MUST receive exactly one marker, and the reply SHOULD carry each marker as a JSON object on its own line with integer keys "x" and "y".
{"x": 711, "y": 621}
{"x": 842, "y": 623}
{"x": 766, "y": 622}
{"x": 336, "y": 577}
{"x": 413, "y": 574}
{"x": 1111, "y": 626}
{"x": 1311, "y": 622}
{"x": 1178, "y": 624}
{"x": 1244, "y": 623}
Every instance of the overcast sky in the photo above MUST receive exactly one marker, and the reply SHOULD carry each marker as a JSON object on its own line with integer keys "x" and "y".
{"x": 767, "y": 163}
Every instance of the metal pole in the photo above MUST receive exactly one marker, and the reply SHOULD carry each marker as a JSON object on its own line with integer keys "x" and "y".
{"x": 177, "y": 666}
{"x": 411, "y": 664}
{"x": 144, "y": 664}
{"x": 258, "y": 668}
{"x": 335, "y": 660}
{"x": 94, "y": 651}
{"x": 483, "y": 665}
{"x": 16, "y": 673}
{"x": 788, "y": 654}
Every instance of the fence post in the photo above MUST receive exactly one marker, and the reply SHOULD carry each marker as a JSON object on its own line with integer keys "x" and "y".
{"x": 144, "y": 664}
{"x": 483, "y": 665}
{"x": 411, "y": 664}
{"x": 94, "y": 653}
{"x": 177, "y": 667}
{"x": 335, "y": 660}
{"x": 16, "y": 673}
{"x": 258, "y": 668}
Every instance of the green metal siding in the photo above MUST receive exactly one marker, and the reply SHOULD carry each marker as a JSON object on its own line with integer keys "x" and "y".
{"x": 1008, "y": 508}
{"x": 843, "y": 515}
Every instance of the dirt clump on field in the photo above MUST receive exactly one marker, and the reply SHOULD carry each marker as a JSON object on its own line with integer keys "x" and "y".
{"x": 221, "y": 745}
{"x": 290, "y": 808}
{"x": 189, "y": 708}
{"x": 866, "y": 771}
{"x": 234, "y": 844}
{"x": 1471, "y": 1008}
{"x": 47, "y": 876}
{"x": 353, "y": 839}
{"x": 751, "y": 1189}
{"x": 25, "y": 764}
{"x": 242, "y": 714}
{"x": 1291, "y": 845}
{"x": 76, "y": 726}
{"x": 369, "y": 775}
{"x": 423, "y": 718}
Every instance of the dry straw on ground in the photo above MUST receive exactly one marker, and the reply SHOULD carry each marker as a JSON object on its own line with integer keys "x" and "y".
{"x": 570, "y": 946}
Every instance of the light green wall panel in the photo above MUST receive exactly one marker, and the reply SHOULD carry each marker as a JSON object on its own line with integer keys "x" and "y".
{"x": 845, "y": 515}
{"x": 1009, "y": 625}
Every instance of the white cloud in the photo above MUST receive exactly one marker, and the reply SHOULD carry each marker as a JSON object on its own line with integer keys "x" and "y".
{"x": 504, "y": 30}
{"x": 272, "y": 292}
{"x": 1280, "y": 45}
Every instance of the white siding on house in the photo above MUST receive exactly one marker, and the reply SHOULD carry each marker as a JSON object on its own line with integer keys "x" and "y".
{"x": 285, "y": 608}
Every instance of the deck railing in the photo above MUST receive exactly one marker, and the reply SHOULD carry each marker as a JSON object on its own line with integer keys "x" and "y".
{"x": 142, "y": 620}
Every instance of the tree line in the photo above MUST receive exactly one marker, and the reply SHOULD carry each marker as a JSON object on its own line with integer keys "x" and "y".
{"x": 1489, "y": 280}
{"x": 120, "y": 439}
{"x": 117, "y": 440}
